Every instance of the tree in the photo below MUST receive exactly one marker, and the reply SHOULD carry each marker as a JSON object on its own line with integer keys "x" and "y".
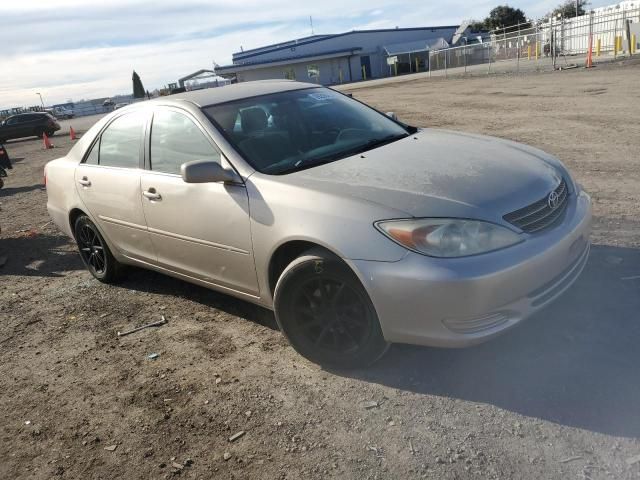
{"x": 569, "y": 9}
{"x": 138, "y": 89}
{"x": 504, "y": 16}
{"x": 500, "y": 17}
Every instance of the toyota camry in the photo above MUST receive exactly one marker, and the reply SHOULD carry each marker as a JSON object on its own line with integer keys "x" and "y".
{"x": 356, "y": 229}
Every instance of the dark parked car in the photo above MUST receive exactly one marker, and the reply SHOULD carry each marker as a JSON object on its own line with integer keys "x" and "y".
{"x": 28, "y": 125}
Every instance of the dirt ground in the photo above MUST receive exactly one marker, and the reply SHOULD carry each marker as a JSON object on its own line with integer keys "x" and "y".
{"x": 557, "y": 397}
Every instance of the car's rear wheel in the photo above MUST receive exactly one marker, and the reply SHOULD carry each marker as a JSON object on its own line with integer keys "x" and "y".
{"x": 51, "y": 133}
{"x": 95, "y": 252}
{"x": 326, "y": 314}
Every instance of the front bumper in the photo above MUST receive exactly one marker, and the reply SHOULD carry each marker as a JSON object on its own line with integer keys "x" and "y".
{"x": 460, "y": 302}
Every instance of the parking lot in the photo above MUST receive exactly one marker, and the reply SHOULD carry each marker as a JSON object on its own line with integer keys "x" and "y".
{"x": 556, "y": 397}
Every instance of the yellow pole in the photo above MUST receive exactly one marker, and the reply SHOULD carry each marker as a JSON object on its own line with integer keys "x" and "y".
{"x": 634, "y": 44}
{"x": 418, "y": 66}
{"x": 529, "y": 52}
{"x": 598, "y": 47}
{"x": 395, "y": 67}
{"x": 364, "y": 73}
{"x": 340, "y": 74}
{"x": 615, "y": 47}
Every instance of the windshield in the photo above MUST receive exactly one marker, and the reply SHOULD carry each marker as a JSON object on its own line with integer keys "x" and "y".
{"x": 288, "y": 131}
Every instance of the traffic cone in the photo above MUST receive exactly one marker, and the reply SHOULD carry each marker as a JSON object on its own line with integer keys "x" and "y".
{"x": 72, "y": 133}
{"x": 589, "y": 62}
{"x": 46, "y": 142}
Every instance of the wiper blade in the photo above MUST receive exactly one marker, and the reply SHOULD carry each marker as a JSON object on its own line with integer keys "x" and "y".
{"x": 369, "y": 145}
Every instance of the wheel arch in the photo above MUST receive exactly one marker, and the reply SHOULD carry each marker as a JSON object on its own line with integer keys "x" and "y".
{"x": 73, "y": 217}
{"x": 287, "y": 252}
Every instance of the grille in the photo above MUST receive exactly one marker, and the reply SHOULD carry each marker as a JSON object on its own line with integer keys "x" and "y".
{"x": 540, "y": 215}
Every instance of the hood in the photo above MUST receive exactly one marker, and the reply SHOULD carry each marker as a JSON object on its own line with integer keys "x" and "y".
{"x": 439, "y": 173}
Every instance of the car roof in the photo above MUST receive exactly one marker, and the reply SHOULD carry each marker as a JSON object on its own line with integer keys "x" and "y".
{"x": 237, "y": 91}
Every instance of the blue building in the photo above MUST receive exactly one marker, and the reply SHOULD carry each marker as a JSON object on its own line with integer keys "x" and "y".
{"x": 344, "y": 57}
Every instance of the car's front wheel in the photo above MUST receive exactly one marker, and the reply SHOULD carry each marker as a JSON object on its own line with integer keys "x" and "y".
{"x": 326, "y": 314}
{"x": 95, "y": 252}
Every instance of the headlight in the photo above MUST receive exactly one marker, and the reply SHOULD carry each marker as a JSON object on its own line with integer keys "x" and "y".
{"x": 448, "y": 237}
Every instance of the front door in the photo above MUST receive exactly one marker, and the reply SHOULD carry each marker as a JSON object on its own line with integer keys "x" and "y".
{"x": 108, "y": 182}
{"x": 365, "y": 64}
{"x": 199, "y": 230}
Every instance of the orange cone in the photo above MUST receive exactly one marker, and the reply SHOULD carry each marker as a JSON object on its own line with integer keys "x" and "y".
{"x": 72, "y": 133}
{"x": 589, "y": 62}
{"x": 46, "y": 142}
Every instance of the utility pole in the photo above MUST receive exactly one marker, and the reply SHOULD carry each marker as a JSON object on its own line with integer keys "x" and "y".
{"x": 311, "y": 23}
{"x": 41, "y": 101}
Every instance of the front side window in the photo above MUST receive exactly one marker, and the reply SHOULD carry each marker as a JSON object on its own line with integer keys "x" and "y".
{"x": 176, "y": 139}
{"x": 120, "y": 142}
{"x": 298, "y": 129}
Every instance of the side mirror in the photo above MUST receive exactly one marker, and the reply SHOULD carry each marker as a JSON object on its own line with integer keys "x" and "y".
{"x": 392, "y": 116}
{"x": 206, "y": 171}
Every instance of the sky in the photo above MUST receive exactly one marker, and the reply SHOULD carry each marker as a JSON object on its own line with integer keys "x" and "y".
{"x": 79, "y": 49}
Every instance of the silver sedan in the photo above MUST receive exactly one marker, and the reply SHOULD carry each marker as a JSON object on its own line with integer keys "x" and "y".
{"x": 356, "y": 229}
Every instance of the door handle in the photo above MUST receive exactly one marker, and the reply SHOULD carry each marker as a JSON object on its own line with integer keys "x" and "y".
{"x": 151, "y": 194}
{"x": 84, "y": 181}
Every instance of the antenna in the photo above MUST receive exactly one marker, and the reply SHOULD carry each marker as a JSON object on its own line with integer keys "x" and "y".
{"x": 311, "y": 23}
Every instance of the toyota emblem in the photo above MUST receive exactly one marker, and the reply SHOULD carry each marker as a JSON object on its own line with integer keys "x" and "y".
{"x": 553, "y": 200}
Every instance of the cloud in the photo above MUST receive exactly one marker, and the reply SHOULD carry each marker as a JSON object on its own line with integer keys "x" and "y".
{"x": 78, "y": 49}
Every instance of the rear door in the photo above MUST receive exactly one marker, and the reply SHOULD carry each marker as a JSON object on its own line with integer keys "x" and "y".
{"x": 10, "y": 128}
{"x": 199, "y": 230}
{"x": 108, "y": 182}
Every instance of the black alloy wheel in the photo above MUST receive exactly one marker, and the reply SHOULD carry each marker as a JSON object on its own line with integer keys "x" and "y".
{"x": 327, "y": 315}
{"x": 95, "y": 252}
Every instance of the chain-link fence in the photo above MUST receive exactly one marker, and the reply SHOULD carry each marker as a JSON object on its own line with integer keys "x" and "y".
{"x": 555, "y": 43}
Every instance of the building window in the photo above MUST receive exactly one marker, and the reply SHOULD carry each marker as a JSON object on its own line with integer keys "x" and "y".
{"x": 289, "y": 73}
{"x": 313, "y": 71}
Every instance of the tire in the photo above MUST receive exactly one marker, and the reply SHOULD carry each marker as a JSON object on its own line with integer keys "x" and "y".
{"x": 95, "y": 252}
{"x": 1, "y": 183}
{"x": 38, "y": 133}
{"x": 326, "y": 314}
{"x": 51, "y": 133}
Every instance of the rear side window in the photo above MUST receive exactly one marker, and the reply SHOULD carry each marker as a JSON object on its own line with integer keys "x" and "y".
{"x": 120, "y": 142}
{"x": 92, "y": 158}
{"x": 176, "y": 139}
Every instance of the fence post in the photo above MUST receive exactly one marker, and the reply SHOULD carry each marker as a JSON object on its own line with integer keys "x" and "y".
{"x": 429, "y": 59}
{"x": 489, "y": 50}
{"x": 465, "y": 59}
{"x": 615, "y": 38}
{"x": 445, "y": 64}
